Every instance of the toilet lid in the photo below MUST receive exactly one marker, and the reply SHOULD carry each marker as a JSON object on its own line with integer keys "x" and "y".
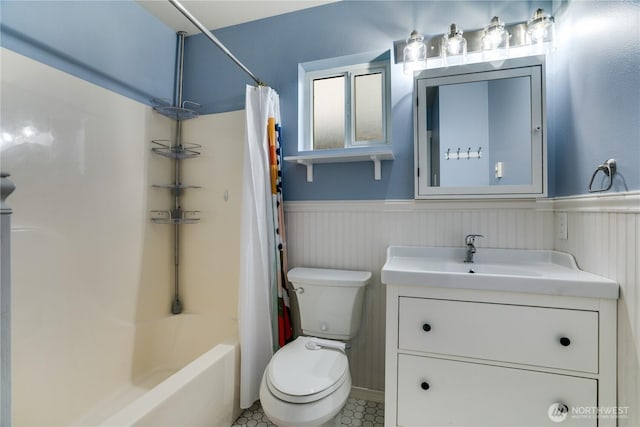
{"x": 297, "y": 371}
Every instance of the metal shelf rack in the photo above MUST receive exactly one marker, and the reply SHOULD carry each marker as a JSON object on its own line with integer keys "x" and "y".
{"x": 176, "y": 150}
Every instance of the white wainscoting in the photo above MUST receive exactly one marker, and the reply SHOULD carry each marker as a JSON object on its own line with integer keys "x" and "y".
{"x": 603, "y": 235}
{"x": 355, "y": 235}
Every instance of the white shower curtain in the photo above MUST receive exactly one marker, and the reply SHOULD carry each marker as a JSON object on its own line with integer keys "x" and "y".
{"x": 256, "y": 305}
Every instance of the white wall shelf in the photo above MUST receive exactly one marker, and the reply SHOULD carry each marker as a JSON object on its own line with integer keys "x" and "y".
{"x": 309, "y": 158}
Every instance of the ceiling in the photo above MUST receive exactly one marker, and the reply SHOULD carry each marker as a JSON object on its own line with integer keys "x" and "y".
{"x": 222, "y": 13}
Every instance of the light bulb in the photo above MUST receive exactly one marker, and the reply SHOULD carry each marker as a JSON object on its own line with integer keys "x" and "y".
{"x": 7, "y": 137}
{"x": 414, "y": 53}
{"x": 540, "y": 28}
{"x": 28, "y": 131}
{"x": 453, "y": 43}
{"x": 494, "y": 35}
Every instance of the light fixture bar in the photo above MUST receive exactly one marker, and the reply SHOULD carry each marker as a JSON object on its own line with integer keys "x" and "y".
{"x": 517, "y": 31}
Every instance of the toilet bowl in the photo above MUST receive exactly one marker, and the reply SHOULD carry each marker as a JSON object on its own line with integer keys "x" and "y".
{"x": 303, "y": 387}
{"x": 307, "y": 382}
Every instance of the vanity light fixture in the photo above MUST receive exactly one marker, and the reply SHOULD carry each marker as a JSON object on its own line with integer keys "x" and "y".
{"x": 495, "y": 41}
{"x": 494, "y": 36}
{"x": 453, "y": 43}
{"x": 540, "y": 28}
{"x": 414, "y": 53}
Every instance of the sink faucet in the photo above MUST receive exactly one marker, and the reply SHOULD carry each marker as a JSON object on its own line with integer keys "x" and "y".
{"x": 469, "y": 240}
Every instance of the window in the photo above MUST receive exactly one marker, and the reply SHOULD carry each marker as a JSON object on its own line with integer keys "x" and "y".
{"x": 344, "y": 106}
{"x": 328, "y": 112}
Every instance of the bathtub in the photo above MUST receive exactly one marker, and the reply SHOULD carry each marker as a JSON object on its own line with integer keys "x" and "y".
{"x": 203, "y": 393}
{"x": 185, "y": 372}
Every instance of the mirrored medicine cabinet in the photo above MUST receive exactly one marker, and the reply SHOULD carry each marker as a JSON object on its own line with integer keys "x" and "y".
{"x": 480, "y": 130}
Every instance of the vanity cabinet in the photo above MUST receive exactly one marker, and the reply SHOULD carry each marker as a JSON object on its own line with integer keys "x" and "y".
{"x": 465, "y": 357}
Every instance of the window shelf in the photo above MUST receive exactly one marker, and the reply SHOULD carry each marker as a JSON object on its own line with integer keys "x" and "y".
{"x": 309, "y": 158}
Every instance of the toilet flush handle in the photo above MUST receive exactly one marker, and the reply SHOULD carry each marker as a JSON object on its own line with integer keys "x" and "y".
{"x": 299, "y": 290}
{"x": 318, "y": 343}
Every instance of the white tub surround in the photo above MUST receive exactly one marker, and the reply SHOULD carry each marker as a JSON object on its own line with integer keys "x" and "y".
{"x": 6, "y": 188}
{"x": 97, "y": 303}
{"x": 78, "y": 154}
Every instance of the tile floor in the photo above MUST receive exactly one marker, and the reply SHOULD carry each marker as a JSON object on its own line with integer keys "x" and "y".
{"x": 356, "y": 413}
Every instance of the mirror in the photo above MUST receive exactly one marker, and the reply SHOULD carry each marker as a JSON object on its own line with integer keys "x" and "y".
{"x": 480, "y": 130}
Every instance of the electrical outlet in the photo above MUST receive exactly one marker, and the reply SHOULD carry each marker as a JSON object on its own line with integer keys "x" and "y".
{"x": 562, "y": 225}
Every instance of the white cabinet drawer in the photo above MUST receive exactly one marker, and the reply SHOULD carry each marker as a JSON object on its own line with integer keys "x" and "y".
{"x": 549, "y": 337}
{"x": 437, "y": 392}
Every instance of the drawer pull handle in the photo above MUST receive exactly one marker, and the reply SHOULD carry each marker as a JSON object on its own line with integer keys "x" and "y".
{"x": 565, "y": 341}
{"x": 426, "y": 327}
{"x": 424, "y": 385}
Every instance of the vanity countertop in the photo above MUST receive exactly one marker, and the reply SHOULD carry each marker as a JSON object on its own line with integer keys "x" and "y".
{"x": 511, "y": 270}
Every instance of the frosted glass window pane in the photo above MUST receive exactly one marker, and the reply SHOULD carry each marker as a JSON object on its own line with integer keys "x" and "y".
{"x": 328, "y": 113}
{"x": 368, "y": 107}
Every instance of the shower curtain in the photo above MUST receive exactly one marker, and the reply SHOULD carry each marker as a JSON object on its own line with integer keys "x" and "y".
{"x": 262, "y": 304}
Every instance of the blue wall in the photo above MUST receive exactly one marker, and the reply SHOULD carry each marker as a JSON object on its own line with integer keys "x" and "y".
{"x": 115, "y": 44}
{"x": 273, "y": 47}
{"x": 594, "y": 105}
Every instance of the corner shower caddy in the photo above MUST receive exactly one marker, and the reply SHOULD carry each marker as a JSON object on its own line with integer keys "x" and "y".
{"x": 176, "y": 150}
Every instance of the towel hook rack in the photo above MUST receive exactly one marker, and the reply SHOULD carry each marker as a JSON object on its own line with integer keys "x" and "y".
{"x": 609, "y": 169}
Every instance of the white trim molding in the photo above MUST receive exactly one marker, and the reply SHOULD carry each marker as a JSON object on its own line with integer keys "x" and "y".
{"x": 628, "y": 202}
{"x": 540, "y": 205}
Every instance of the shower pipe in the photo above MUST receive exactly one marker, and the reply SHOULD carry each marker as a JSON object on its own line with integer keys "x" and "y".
{"x": 215, "y": 40}
{"x": 176, "y": 305}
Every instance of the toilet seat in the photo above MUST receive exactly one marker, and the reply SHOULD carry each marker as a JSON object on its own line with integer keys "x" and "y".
{"x": 297, "y": 374}
{"x": 311, "y": 414}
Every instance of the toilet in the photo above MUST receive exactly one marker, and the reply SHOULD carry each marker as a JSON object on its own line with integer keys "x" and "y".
{"x": 307, "y": 382}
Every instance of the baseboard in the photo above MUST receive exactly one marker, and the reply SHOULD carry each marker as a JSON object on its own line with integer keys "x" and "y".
{"x": 367, "y": 394}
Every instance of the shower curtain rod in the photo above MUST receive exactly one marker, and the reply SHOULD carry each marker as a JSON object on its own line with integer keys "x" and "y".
{"x": 215, "y": 40}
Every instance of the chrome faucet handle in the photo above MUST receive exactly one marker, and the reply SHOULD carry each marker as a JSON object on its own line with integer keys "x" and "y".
{"x": 470, "y": 239}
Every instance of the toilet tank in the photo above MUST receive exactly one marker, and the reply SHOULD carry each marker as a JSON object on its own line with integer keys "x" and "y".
{"x": 330, "y": 301}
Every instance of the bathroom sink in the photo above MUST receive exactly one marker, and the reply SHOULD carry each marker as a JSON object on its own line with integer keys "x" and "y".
{"x": 512, "y": 270}
{"x": 475, "y": 268}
